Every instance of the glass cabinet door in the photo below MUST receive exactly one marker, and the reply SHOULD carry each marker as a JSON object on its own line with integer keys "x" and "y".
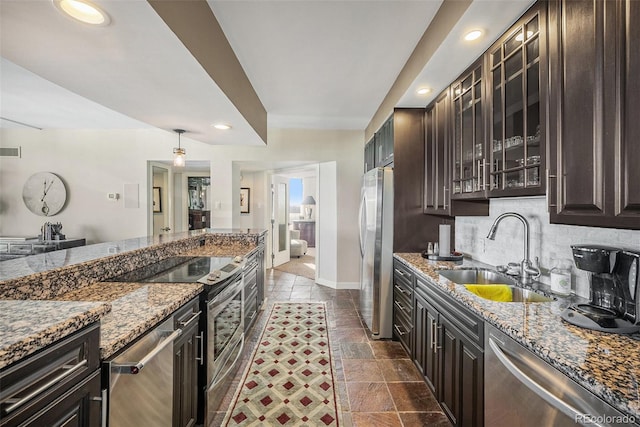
{"x": 468, "y": 135}
{"x": 515, "y": 111}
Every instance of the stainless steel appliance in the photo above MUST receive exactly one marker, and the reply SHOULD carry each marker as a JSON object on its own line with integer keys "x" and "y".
{"x": 224, "y": 335}
{"x": 376, "y": 249}
{"x": 141, "y": 379}
{"x": 522, "y": 390}
{"x": 614, "y": 290}
{"x": 221, "y": 322}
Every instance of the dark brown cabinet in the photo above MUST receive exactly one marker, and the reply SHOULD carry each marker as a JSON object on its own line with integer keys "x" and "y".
{"x": 370, "y": 155}
{"x": 594, "y": 151}
{"x": 516, "y": 74}
{"x": 437, "y": 197}
{"x": 469, "y": 151}
{"x": 60, "y": 385}
{"x": 199, "y": 219}
{"x": 403, "y": 305}
{"x": 383, "y": 141}
{"x": 451, "y": 360}
{"x": 446, "y": 345}
{"x": 186, "y": 355}
{"x": 439, "y": 164}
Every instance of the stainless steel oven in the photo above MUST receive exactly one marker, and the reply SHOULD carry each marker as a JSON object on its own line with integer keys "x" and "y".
{"x": 225, "y": 340}
{"x": 222, "y": 324}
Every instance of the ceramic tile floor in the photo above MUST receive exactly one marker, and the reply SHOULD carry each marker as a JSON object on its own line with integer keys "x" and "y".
{"x": 377, "y": 383}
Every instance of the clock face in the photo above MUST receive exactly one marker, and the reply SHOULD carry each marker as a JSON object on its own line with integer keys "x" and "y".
{"x": 44, "y": 194}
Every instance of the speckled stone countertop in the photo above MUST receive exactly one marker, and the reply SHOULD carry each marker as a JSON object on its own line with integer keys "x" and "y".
{"x": 41, "y": 301}
{"x": 606, "y": 364}
{"x": 135, "y": 308}
{"x": 27, "y": 326}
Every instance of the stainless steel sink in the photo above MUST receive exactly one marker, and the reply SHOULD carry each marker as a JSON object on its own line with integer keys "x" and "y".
{"x": 478, "y": 276}
{"x": 509, "y": 292}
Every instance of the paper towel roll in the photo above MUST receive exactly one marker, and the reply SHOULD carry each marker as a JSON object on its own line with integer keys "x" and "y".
{"x": 445, "y": 240}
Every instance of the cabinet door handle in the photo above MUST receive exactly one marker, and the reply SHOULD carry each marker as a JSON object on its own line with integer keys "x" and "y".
{"x": 399, "y": 289}
{"x": 46, "y": 386}
{"x": 434, "y": 338}
{"x": 400, "y": 306}
{"x": 400, "y": 273}
{"x": 444, "y": 196}
{"x": 438, "y": 344}
{"x": 399, "y": 331}
{"x": 549, "y": 178}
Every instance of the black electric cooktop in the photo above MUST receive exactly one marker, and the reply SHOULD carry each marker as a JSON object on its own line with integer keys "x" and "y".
{"x": 178, "y": 269}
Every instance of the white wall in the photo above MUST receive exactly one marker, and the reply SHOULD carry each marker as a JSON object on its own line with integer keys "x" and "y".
{"x": 91, "y": 163}
{"x": 548, "y": 241}
{"x": 298, "y": 145}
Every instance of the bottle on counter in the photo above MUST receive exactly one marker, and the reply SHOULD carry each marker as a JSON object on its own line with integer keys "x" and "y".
{"x": 561, "y": 277}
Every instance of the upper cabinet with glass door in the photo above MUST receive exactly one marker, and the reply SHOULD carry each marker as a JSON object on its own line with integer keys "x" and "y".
{"x": 469, "y": 152}
{"x": 516, "y": 110}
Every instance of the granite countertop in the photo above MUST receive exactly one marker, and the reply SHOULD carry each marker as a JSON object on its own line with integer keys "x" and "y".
{"x": 606, "y": 364}
{"x": 41, "y": 323}
{"x": 35, "y": 310}
{"x": 135, "y": 308}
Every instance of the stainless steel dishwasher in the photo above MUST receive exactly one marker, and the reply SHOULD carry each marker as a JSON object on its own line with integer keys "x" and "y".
{"x": 522, "y": 390}
{"x": 141, "y": 379}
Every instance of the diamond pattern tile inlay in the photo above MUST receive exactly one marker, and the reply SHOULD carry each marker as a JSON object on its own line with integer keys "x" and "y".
{"x": 304, "y": 393}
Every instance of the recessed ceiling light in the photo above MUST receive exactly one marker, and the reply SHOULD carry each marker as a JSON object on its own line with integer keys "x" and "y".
{"x": 83, "y": 11}
{"x": 222, "y": 126}
{"x": 473, "y": 35}
{"x": 423, "y": 91}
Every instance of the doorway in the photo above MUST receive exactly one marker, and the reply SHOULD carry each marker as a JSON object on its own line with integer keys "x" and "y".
{"x": 198, "y": 196}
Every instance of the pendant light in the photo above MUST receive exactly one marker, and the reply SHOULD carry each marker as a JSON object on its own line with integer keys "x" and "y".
{"x": 179, "y": 152}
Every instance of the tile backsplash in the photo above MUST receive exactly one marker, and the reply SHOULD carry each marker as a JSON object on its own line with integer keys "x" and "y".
{"x": 549, "y": 242}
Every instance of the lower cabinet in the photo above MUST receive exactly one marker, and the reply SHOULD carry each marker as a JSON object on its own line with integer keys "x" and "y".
{"x": 447, "y": 347}
{"x": 59, "y": 385}
{"x": 187, "y": 352}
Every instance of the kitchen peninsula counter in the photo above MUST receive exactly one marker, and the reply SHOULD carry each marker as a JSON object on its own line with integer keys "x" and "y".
{"x": 603, "y": 363}
{"x": 41, "y": 302}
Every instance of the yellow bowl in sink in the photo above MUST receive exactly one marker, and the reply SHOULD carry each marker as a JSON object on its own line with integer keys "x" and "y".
{"x": 494, "y": 292}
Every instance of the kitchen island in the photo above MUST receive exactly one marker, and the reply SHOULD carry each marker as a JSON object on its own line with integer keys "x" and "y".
{"x": 605, "y": 364}
{"x": 44, "y": 299}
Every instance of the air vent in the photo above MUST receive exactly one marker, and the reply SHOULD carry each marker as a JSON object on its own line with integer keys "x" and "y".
{"x": 10, "y": 152}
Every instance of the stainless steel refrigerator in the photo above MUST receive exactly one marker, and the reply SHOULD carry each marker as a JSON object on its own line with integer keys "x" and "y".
{"x": 376, "y": 249}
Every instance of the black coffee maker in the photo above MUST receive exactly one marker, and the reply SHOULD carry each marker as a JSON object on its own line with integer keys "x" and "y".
{"x": 614, "y": 290}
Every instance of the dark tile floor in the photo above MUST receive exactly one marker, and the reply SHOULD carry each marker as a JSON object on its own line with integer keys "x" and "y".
{"x": 377, "y": 383}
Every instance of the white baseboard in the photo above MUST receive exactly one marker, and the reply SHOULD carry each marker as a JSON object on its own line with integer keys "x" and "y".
{"x": 337, "y": 285}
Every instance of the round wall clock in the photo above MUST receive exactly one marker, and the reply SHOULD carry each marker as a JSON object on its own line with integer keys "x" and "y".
{"x": 44, "y": 194}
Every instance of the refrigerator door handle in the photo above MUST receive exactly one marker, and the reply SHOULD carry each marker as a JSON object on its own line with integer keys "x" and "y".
{"x": 361, "y": 217}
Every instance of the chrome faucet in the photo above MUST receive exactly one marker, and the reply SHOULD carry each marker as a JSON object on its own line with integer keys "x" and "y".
{"x": 527, "y": 271}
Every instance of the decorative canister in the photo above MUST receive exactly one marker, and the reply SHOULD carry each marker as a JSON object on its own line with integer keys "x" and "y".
{"x": 561, "y": 277}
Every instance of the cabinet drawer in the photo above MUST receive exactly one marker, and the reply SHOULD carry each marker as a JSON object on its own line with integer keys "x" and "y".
{"x": 31, "y": 385}
{"x": 402, "y": 330}
{"x": 402, "y": 304}
{"x": 470, "y": 324}
{"x": 185, "y": 315}
{"x": 402, "y": 274}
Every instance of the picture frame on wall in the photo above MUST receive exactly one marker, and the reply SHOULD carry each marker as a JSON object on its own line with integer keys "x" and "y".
{"x": 245, "y": 200}
{"x": 157, "y": 200}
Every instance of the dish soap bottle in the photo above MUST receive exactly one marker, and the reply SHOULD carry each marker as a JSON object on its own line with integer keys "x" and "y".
{"x": 561, "y": 277}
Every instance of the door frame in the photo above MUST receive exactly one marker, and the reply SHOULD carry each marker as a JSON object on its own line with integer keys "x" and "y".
{"x": 167, "y": 196}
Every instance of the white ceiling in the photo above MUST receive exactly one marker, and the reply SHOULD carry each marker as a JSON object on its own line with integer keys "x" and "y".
{"x": 313, "y": 64}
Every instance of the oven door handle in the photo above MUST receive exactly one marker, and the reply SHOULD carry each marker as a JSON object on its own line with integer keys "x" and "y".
{"x": 231, "y": 367}
{"x": 136, "y": 367}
